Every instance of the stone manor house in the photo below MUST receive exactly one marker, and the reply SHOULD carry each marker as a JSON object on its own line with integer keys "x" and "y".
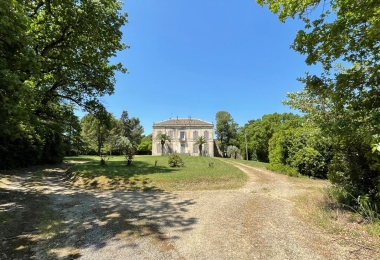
{"x": 183, "y": 134}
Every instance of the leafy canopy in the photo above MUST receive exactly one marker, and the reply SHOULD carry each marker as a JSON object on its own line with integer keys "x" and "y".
{"x": 346, "y": 31}
{"x": 226, "y": 128}
{"x": 54, "y": 57}
{"x": 343, "y": 37}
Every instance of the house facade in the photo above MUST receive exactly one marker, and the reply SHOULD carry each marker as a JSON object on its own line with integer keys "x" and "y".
{"x": 183, "y": 134}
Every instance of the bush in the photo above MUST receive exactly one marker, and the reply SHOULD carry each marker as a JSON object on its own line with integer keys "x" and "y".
{"x": 92, "y": 152}
{"x": 232, "y": 151}
{"x": 175, "y": 160}
{"x": 309, "y": 162}
{"x": 145, "y": 148}
{"x": 303, "y": 149}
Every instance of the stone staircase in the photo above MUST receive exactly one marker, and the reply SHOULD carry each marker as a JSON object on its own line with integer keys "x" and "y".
{"x": 217, "y": 151}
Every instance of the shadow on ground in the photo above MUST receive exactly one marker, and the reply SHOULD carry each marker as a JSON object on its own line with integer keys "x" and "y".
{"x": 113, "y": 169}
{"x": 80, "y": 219}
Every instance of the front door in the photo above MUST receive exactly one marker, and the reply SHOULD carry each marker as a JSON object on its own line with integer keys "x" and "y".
{"x": 182, "y": 148}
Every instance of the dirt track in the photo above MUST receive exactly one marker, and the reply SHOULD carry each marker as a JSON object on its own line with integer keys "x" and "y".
{"x": 255, "y": 222}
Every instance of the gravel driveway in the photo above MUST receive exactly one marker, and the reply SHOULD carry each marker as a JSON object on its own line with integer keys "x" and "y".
{"x": 254, "y": 222}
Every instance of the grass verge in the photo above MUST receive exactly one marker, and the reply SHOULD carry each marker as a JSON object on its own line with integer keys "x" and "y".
{"x": 322, "y": 210}
{"x": 146, "y": 174}
{"x": 249, "y": 163}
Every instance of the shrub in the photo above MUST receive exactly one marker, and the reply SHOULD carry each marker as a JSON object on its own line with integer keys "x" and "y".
{"x": 145, "y": 148}
{"x": 303, "y": 149}
{"x": 92, "y": 152}
{"x": 309, "y": 162}
{"x": 175, "y": 160}
{"x": 232, "y": 151}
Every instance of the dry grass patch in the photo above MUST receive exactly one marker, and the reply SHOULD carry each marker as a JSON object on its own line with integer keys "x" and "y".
{"x": 319, "y": 209}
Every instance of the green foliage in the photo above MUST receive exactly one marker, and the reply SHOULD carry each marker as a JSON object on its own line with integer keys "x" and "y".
{"x": 175, "y": 160}
{"x": 162, "y": 138}
{"x": 200, "y": 141}
{"x": 351, "y": 169}
{"x": 145, "y": 148}
{"x": 343, "y": 101}
{"x": 147, "y": 138}
{"x": 284, "y": 169}
{"x": 124, "y": 144}
{"x": 226, "y": 129}
{"x": 309, "y": 162}
{"x": 361, "y": 204}
{"x": 131, "y": 128}
{"x": 96, "y": 129}
{"x": 232, "y": 151}
{"x": 129, "y": 156}
{"x": 303, "y": 149}
{"x": 260, "y": 131}
{"x": 102, "y": 161}
{"x": 52, "y": 60}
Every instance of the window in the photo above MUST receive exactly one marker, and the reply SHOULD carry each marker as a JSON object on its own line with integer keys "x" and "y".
{"x": 170, "y": 134}
{"x": 205, "y": 150}
{"x": 195, "y": 134}
{"x": 206, "y": 135}
{"x": 183, "y": 147}
{"x": 182, "y": 135}
{"x": 159, "y": 132}
{"x": 195, "y": 148}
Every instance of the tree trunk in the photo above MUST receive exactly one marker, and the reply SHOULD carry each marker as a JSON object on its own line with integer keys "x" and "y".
{"x": 200, "y": 150}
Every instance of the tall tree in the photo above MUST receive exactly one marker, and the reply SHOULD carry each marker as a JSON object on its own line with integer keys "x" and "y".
{"x": 200, "y": 141}
{"x": 72, "y": 134}
{"x": 96, "y": 128}
{"x": 74, "y": 41}
{"x": 226, "y": 128}
{"x": 53, "y": 57}
{"x": 260, "y": 131}
{"x": 131, "y": 128}
{"x": 114, "y": 134}
{"x": 145, "y": 147}
{"x": 162, "y": 138}
{"x": 344, "y": 99}
{"x": 344, "y": 30}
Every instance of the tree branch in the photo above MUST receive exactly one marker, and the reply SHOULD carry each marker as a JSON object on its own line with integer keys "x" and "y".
{"x": 55, "y": 43}
{"x": 40, "y": 4}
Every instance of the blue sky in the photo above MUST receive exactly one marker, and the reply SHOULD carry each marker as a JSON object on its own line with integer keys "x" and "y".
{"x": 195, "y": 58}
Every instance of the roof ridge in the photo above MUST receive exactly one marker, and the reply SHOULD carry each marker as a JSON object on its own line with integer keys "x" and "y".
{"x": 172, "y": 120}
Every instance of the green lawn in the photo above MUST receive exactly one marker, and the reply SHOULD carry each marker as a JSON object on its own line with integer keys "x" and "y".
{"x": 249, "y": 163}
{"x": 143, "y": 175}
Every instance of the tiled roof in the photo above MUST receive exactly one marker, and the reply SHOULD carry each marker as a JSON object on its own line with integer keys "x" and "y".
{"x": 183, "y": 121}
